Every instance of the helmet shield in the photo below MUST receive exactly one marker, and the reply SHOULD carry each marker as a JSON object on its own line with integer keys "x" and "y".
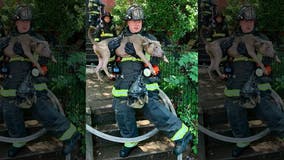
{"x": 134, "y": 12}
{"x": 247, "y": 13}
{"x": 23, "y": 13}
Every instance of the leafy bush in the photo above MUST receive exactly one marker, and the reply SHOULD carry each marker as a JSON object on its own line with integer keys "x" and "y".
{"x": 68, "y": 83}
{"x": 180, "y": 81}
{"x": 174, "y": 17}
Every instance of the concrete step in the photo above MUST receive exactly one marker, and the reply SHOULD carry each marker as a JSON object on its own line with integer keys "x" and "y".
{"x": 256, "y": 126}
{"x": 32, "y": 126}
{"x": 44, "y": 148}
{"x": 152, "y": 150}
{"x": 265, "y": 149}
{"x": 105, "y": 115}
{"x": 217, "y": 115}
{"x": 143, "y": 126}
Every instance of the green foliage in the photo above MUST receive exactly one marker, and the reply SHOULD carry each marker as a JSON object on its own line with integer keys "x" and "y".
{"x": 174, "y": 17}
{"x": 278, "y": 77}
{"x": 268, "y": 14}
{"x": 180, "y": 81}
{"x": 68, "y": 83}
{"x": 60, "y": 17}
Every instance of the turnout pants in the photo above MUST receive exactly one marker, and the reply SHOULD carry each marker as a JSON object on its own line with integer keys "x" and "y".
{"x": 42, "y": 110}
{"x": 266, "y": 110}
{"x": 154, "y": 111}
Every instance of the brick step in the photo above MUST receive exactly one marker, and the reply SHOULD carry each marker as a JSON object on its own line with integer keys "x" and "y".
{"x": 152, "y": 150}
{"x": 44, "y": 148}
{"x": 264, "y": 149}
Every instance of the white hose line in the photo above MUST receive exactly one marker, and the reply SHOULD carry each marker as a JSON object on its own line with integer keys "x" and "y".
{"x": 232, "y": 139}
{"x": 39, "y": 133}
{"x": 120, "y": 139}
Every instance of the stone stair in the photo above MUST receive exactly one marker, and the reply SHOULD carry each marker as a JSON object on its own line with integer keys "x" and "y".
{"x": 99, "y": 101}
{"x": 42, "y": 148}
{"x": 212, "y": 115}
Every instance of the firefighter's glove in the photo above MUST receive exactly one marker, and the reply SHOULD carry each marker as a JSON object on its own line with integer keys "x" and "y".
{"x": 242, "y": 49}
{"x": 114, "y": 44}
{"x": 225, "y": 45}
{"x": 129, "y": 49}
{"x": 18, "y": 49}
{"x": 4, "y": 42}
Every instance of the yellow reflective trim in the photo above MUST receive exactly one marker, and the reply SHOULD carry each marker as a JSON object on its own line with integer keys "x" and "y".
{"x": 106, "y": 35}
{"x": 130, "y": 59}
{"x": 40, "y": 86}
{"x": 130, "y": 144}
{"x": 208, "y": 39}
{"x": 243, "y": 144}
{"x": 18, "y": 144}
{"x": 119, "y": 92}
{"x": 219, "y": 35}
{"x": 97, "y": 39}
{"x": 68, "y": 133}
{"x": 152, "y": 86}
{"x": 8, "y": 92}
{"x": 243, "y": 59}
{"x": 13, "y": 59}
{"x": 94, "y": 12}
{"x": 264, "y": 86}
{"x": 232, "y": 92}
{"x": 180, "y": 133}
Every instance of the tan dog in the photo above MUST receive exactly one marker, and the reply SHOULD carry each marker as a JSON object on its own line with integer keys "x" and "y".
{"x": 213, "y": 49}
{"x": 30, "y": 45}
{"x": 254, "y": 44}
{"x": 140, "y": 43}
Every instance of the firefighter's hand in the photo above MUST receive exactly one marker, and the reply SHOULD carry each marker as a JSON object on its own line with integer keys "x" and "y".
{"x": 129, "y": 49}
{"x": 4, "y": 42}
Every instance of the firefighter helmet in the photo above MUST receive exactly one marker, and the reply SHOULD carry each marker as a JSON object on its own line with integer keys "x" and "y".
{"x": 106, "y": 14}
{"x": 23, "y": 12}
{"x": 134, "y": 12}
{"x": 247, "y": 12}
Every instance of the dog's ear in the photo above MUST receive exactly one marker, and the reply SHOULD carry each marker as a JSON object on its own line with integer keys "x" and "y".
{"x": 258, "y": 44}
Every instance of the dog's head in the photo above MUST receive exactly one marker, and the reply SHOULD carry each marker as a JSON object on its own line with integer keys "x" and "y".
{"x": 154, "y": 48}
{"x": 42, "y": 48}
{"x": 266, "y": 48}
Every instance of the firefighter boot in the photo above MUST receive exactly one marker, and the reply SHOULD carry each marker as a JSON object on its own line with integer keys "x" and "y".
{"x": 70, "y": 144}
{"x": 13, "y": 151}
{"x": 125, "y": 151}
{"x": 181, "y": 144}
{"x": 237, "y": 151}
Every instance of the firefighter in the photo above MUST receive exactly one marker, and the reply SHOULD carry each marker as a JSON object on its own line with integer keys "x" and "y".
{"x": 219, "y": 27}
{"x": 106, "y": 29}
{"x": 19, "y": 68}
{"x": 245, "y": 75}
{"x": 130, "y": 81}
{"x": 94, "y": 10}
